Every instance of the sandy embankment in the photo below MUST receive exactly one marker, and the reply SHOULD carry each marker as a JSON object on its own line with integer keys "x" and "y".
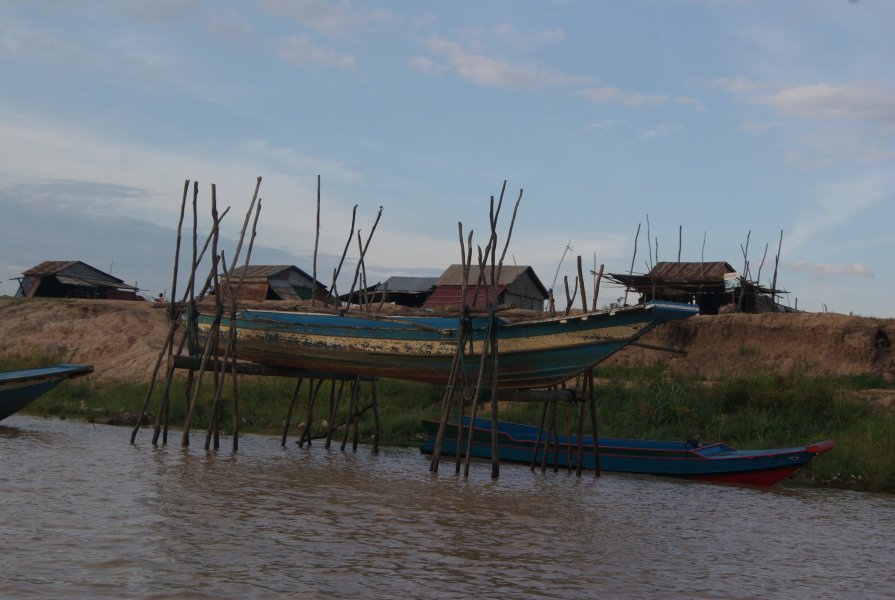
{"x": 122, "y": 340}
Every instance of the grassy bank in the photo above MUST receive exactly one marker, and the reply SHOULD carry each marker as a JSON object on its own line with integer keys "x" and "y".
{"x": 760, "y": 411}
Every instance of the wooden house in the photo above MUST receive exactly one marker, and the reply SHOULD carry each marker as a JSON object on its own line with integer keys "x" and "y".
{"x": 73, "y": 279}
{"x": 274, "y": 282}
{"x": 711, "y": 285}
{"x": 517, "y": 286}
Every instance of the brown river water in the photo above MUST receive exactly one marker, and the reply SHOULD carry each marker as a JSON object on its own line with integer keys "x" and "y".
{"x": 87, "y": 515}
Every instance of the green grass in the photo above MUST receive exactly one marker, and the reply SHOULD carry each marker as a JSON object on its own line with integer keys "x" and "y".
{"x": 758, "y": 411}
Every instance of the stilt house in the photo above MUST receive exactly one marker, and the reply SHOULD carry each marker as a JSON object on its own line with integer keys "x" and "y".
{"x": 711, "y": 285}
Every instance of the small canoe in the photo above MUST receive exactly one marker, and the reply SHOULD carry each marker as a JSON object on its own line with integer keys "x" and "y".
{"x": 20, "y": 388}
{"x": 714, "y": 461}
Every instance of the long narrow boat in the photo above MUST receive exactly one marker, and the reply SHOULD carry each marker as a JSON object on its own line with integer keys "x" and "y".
{"x": 533, "y": 353}
{"x": 20, "y": 388}
{"x": 696, "y": 460}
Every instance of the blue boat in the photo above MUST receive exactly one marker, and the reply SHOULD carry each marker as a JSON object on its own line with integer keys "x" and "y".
{"x": 692, "y": 459}
{"x": 534, "y": 353}
{"x": 20, "y": 388}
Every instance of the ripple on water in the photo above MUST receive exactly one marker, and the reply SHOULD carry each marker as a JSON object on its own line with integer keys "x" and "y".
{"x": 97, "y": 517}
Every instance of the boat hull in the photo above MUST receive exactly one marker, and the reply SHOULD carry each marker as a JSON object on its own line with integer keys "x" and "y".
{"x": 20, "y": 388}
{"x": 711, "y": 462}
{"x": 532, "y": 354}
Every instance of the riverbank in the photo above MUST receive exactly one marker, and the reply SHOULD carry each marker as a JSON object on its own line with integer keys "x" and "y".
{"x": 759, "y": 411}
{"x": 753, "y": 381}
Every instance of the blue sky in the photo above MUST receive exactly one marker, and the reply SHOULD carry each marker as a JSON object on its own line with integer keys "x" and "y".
{"x": 721, "y": 119}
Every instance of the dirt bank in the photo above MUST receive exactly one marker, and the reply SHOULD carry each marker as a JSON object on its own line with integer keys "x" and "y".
{"x": 122, "y": 340}
{"x": 812, "y": 343}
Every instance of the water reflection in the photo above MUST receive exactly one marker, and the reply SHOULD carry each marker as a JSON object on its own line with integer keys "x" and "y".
{"x": 98, "y": 517}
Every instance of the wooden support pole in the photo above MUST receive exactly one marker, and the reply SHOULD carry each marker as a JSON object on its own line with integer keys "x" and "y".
{"x": 597, "y": 281}
{"x": 376, "y": 424}
{"x": 334, "y": 403}
{"x": 534, "y": 451}
{"x": 582, "y": 285}
{"x": 289, "y": 413}
{"x": 591, "y": 400}
{"x": 580, "y": 435}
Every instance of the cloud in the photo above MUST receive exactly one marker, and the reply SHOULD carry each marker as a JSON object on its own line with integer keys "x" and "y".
{"x": 833, "y": 270}
{"x": 823, "y": 101}
{"x": 660, "y": 130}
{"x": 693, "y": 102}
{"x": 479, "y": 69}
{"x": 300, "y": 50}
{"x": 525, "y": 42}
{"x": 219, "y": 21}
{"x": 739, "y": 85}
{"x": 335, "y": 19}
{"x": 612, "y": 95}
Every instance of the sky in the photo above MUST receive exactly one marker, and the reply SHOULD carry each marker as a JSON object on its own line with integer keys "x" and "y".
{"x": 721, "y": 130}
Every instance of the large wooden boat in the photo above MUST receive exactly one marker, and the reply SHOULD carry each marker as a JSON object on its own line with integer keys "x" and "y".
{"x": 533, "y": 353}
{"x": 20, "y": 388}
{"x": 692, "y": 459}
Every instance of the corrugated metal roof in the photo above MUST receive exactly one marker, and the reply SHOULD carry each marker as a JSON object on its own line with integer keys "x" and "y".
{"x": 508, "y": 274}
{"x": 692, "y": 270}
{"x": 284, "y": 290}
{"x": 413, "y": 285}
{"x": 75, "y": 272}
{"x": 261, "y": 271}
{"x": 49, "y": 267}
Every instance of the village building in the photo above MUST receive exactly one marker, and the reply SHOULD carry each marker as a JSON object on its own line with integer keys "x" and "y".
{"x": 517, "y": 286}
{"x": 73, "y": 279}
{"x": 399, "y": 290}
{"x": 710, "y": 285}
{"x": 274, "y": 282}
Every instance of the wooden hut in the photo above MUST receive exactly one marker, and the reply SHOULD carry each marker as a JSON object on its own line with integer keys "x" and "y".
{"x": 73, "y": 279}
{"x": 711, "y": 285}
{"x": 274, "y": 282}
{"x": 517, "y": 286}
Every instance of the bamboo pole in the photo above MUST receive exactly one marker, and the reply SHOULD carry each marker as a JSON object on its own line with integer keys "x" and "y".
{"x": 580, "y": 436}
{"x": 456, "y": 362}
{"x": 289, "y": 413}
{"x": 776, "y": 264}
{"x": 316, "y": 243}
{"x": 376, "y": 423}
{"x": 597, "y": 281}
{"x": 631, "y": 270}
{"x": 591, "y": 399}
{"x": 352, "y": 407}
{"x": 338, "y": 269}
{"x": 363, "y": 253}
{"x": 334, "y": 402}
{"x": 172, "y": 318}
{"x": 534, "y": 451}
{"x": 581, "y": 283}
{"x": 309, "y": 418}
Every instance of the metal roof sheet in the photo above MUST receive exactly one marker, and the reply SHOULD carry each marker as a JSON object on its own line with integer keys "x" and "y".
{"x": 453, "y": 275}
{"x": 408, "y": 284}
{"x": 692, "y": 270}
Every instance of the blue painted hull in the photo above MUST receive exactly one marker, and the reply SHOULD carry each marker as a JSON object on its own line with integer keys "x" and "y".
{"x": 714, "y": 461}
{"x": 20, "y": 388}
{"x": 534, "y": 353}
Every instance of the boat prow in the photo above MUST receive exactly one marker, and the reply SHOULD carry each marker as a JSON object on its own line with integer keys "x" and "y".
{"x": 20, "y": 388}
